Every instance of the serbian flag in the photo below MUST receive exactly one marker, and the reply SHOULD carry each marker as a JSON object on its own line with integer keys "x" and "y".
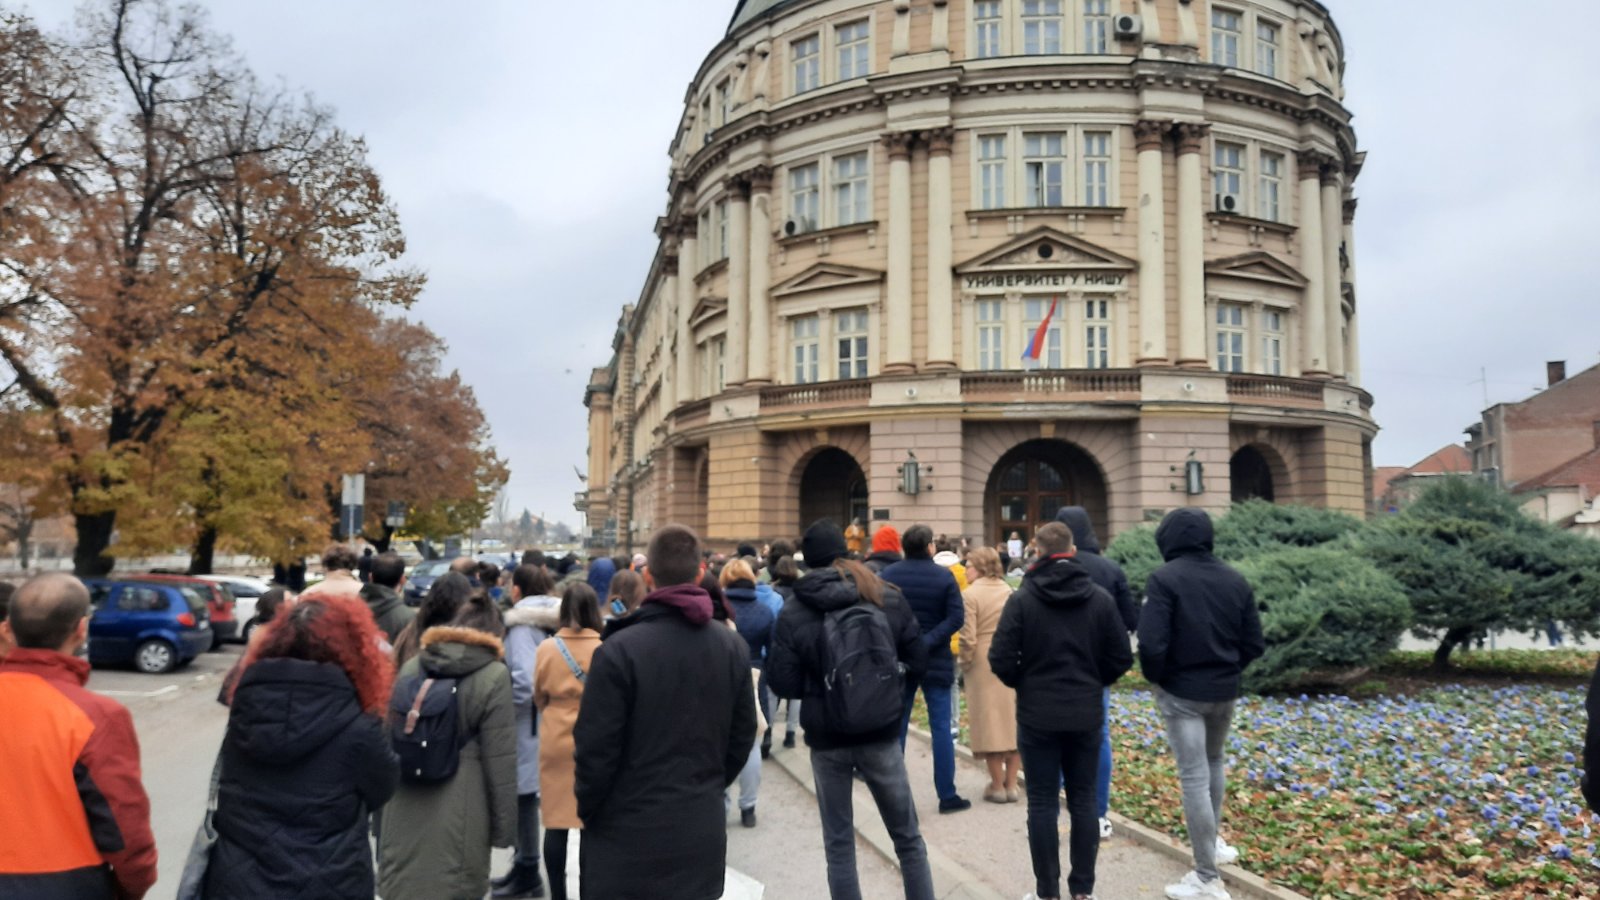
{"x": 1036, "y": 346}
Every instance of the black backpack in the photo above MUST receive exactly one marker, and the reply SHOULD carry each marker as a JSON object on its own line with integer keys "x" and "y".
{"x": 862, "y": 680}
{"x": 425, "y": 728}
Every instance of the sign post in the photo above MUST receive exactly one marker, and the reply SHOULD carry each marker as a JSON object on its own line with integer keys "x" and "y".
{"x": 352, "y": 505}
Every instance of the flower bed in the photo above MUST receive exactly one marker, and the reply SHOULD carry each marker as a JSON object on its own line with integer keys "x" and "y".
{"x": 1577, "y": 664}
{"x": 1455, "y": 792}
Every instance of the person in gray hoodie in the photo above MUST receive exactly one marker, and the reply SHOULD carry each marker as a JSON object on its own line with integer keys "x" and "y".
{"x": 535, "y": 614}
{"x": 1109, "y": 576}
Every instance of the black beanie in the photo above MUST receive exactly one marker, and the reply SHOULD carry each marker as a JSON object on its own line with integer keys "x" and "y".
{"x": 822, "y": 544}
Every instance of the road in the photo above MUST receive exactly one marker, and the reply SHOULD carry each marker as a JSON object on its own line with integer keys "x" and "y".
{"x": 180, "y": 726}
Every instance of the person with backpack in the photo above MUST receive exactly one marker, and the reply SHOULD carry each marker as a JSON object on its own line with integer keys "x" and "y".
{"x": 533, "y": 617}
{"x": 845, "y": 646}
{"x": 452, "y": 722}
{"x": 755, "y": 619}
{"x": 667, "y": 721}
{"x": 1199, "y": 629}
{"x": 1060, "y": 643}
{"x": 561, "y": 669}
{"x": 305, "y": 759}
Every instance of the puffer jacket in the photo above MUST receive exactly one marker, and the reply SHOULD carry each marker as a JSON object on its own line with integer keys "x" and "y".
{"x": 527, "y": 625}
{"x": 932, "y": 594}
{"x": 302, "y": 766}
{"x": 753, "y": 619}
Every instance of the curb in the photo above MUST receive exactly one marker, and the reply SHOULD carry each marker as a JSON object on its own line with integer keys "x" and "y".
{"x": 951, "y": 881}
{"x": 1239, "y": 881}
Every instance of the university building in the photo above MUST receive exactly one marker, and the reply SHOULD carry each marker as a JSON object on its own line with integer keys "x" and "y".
{"x": 877, "y": 208}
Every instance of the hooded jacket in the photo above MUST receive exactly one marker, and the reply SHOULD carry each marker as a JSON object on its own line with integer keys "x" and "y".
{"x": 795, "y": 668}
{"x": 388, "y": 610}
{"x": 1200, "y": 626}
{"x": 667, "y": 721}
{"x": 435, "y": 840}
{"x": 1591, "y": 746}
{"x": 932, "y": 594}
{"x": 527, "y": 625}
{"x": 302, "y": 766}
{"x": 753, "y": 619}
{"x": 1060, "y": 643}
{"x": 601, "y": 571}
{"x": 1105, "y": 572}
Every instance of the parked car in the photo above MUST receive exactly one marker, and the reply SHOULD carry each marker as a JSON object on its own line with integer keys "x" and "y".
{"x": 219, "y": 603}
{"x": 422, "y": 577}
{"x": 156, "y": 625}
{"x": 246, "y": 591}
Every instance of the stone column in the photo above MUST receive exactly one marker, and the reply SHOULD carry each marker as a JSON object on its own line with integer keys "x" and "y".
{"x": 1313, "y": 309}
{"x": 759, "y": 360}
{"x": 941, "y": 262}
{"x": 1150, "y": 137}
{"x": 1191, "y": 247}
{"x": 737, "y": 363}
{"x": 1352, "y": 363}
{"x": 671, "y": 394}
{"x": 1332, "y": 273}
{"x": 897, "y": 304}
{"x": 688, "y": 254}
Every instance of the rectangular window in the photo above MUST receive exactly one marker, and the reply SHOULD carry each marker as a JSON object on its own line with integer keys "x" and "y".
{"x": 803, "y": 340}
{"x": 1272, "y": 342}
{"x": 1044, "y": 162}
{"x": 855, "y": 48}
{"x": 850, "y": 332}
{"x": 714, "y": 374}
{"x": 1041, "y": 26}
{"x": 1096, "y": 26}
{"x": 851, "y": 203}
{"x": 806, "y": 54}
{"x": 706, "y": 125}
{"x": 986, "y": 28}
{"x": 1096, "y": 168}
{"x": 703, "y": 247}
{"x": 804, "y": 197}
{"x": 1267, "y": 48}
{"x": 1097, "y": 334}
{"x": 724, "y": 103}
{"x": 1228, "y": 173}
{"x": 992, "y": 171}
{"x": 1268, "y": 202}
{"x": 1033, "y": 312}
{"x": 722, "y": 229}
{"x": 1230, "y": 337}
{"x": 991, "y": 335}
{"x": 1226, "y": 27}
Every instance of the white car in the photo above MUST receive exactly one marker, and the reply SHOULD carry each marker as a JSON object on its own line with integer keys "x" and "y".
{"x": 246, "y": 591}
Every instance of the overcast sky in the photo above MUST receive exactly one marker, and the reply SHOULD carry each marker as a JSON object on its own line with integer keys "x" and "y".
{"x": 525, "y": 143}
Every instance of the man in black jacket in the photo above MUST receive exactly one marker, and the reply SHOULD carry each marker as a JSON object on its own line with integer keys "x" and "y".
{"x": 1198, "y": 631}
{"x": 795, "y": 668}
{"x": 667, "y": 722}
{"x": 1060, "y": 644}
{"x": 1109, "y": 576}
{"x": 1591, "y": 746}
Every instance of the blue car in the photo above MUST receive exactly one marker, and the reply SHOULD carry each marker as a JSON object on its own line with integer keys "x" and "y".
{"x": 422, "y": 577}
{"x": 155, "y": 626}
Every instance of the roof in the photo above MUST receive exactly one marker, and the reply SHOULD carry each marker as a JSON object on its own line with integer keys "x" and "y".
{"x": 1580, "y": 471}
{"x": 1452, "y": 459}
{"x": 750, "y": 10}
{"x": 1382, "y": 475}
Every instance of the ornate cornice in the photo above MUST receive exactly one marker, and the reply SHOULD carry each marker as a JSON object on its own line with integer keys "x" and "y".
{"x": 899, "y": 144}
{"x": 1350, "y": 211}
{"x": 939, "y": 140}
{"x": 1190, "y": 136}
{"x": 1310, "y": 163}
{"x": 1150, "y": 135}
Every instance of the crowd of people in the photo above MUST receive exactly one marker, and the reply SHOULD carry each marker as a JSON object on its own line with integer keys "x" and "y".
{"x": 632, "y": 700}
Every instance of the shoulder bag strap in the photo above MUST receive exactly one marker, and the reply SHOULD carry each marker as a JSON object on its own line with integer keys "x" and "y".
{"x": 566, "y": 654}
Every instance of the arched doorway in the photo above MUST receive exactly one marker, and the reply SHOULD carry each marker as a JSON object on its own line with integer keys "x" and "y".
{"x": 832, "y": 486}
{"x": 1251, "y": 475}
{"x": 1034, "y": 481}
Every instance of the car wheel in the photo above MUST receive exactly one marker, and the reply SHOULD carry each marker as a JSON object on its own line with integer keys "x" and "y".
{"x": 249, "y": 628}
{"x": 155, "y": 657}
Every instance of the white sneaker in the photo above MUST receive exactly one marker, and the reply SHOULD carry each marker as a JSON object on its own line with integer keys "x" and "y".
{"x": 1227, "y": 854}
{"x": 1192, "y": 886}
{"x": 1105, "y": 828}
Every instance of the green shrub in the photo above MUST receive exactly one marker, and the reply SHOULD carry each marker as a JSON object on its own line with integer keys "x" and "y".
{"x": 1325, "y": 613}
{"x": 1552, "y": 663}
{"x": 1135, "y": 550}
{"x": 1257, "y": 526}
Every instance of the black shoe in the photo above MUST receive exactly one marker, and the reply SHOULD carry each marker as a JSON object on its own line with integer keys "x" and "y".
{"x": 747, "y": 817}
{"x": 521, "y": 882}
{"x": 954, "y": 804}
{"x": 766, "y": 751}
{"x": 788, "y": 741}
{"x": 505, "y": 879}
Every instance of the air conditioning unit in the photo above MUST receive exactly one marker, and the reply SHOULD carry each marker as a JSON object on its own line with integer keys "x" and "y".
{"x": 1229, "y": 203}
{"x": 798, "y": 226}
{"x": 1127, "y": 27}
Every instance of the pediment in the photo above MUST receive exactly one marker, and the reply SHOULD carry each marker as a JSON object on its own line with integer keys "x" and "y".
{"x": 827, "y": 276}
{"x": 1046, "y": 249}
{"x": 1257, "y": 266}
{"x": 708, "y": 308}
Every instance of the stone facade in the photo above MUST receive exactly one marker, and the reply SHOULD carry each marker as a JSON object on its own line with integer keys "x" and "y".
{"x": 872, "y": 208}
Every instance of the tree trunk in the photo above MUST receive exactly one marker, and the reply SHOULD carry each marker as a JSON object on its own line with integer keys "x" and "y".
{"x": 204, "y": 555}
{"x": 24, "y": 542}
{"x": 1453, "y": 638}
{"x": 89, "y": 557}
{"x": 382, "y": 544}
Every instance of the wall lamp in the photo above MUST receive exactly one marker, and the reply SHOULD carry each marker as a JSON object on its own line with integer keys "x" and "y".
{"x": 911, "y": 474}
{"x": 1194, "y": 476}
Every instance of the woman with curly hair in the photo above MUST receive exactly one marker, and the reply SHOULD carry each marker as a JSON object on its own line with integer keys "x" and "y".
{"x": 305, "y": 758}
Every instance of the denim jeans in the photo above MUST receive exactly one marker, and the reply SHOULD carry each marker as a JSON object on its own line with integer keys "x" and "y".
{"x": 792, "y": 723}
{"x": 883, "y": 768}
{"x": 749, "y": 781}
{"x": 1198, "y": 733}
{"x": 937, "y": 698}
{"x": 1048, "y": 758}
{"x": 1102, "y": 794}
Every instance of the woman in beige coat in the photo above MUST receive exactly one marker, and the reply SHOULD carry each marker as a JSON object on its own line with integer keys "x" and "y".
{"x": 991, "y": 706}
{"x": 557, "y": 693}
